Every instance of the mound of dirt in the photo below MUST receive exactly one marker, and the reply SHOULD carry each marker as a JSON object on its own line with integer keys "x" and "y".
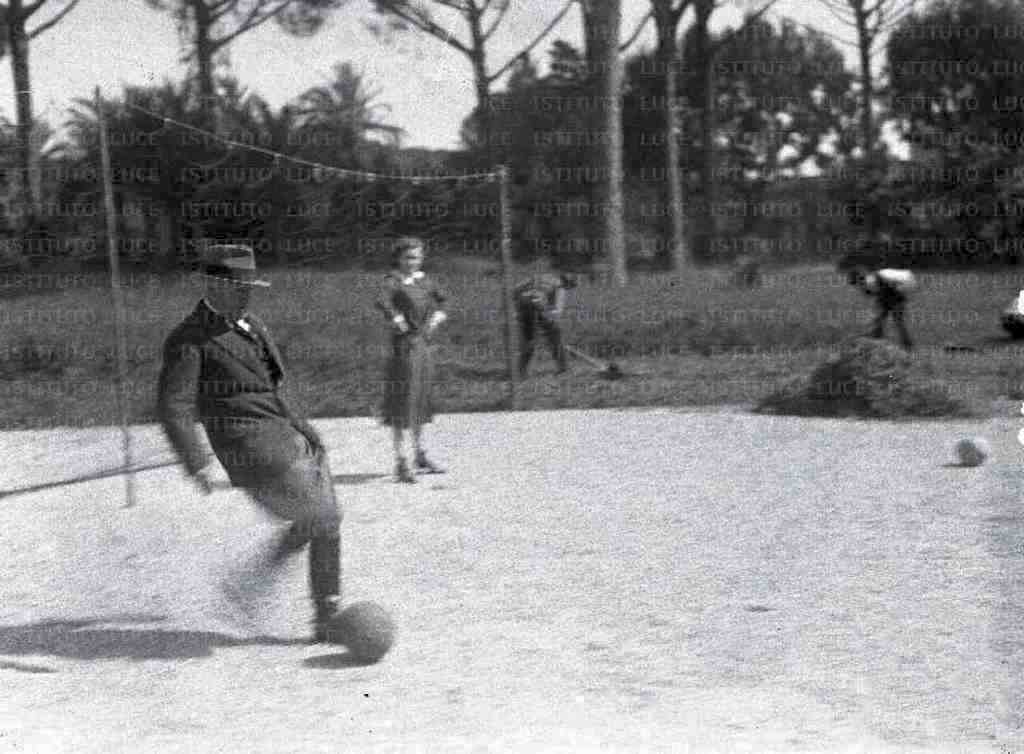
{"x": 867, "y": 378}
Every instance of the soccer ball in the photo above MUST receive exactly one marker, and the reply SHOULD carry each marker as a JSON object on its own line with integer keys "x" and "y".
{"x": 973, "y": 451}
{"x": 365, "y": 628}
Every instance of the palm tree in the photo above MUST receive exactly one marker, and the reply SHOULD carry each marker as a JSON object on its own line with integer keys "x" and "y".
{"x": 346, "y": 112}
{"x": 208, "y": 27}
{"x": 151, "y": 167}
{"x": 49, "y": 154}
{"x": 279, "y": 132}
{"x": 15, "y": 16}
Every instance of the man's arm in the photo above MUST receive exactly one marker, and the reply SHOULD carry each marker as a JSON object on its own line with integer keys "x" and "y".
{"x": 555, "y": 310}
{"x": 177, "y": 390}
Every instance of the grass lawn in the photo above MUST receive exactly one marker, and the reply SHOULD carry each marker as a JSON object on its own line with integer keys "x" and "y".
{"x": 692, "y": 341}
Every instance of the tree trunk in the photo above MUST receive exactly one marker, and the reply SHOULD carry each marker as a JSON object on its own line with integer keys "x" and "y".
{"x": 705, "y": 51}
{"x": 478, "y": 58}
{"x": 591, "y": 31}
{"x": 606, "y": 16}
{"x": 28, "y": 190}
{"x": 668, "y": 60}
{"x": 168, "y": 247}
{"x": 483, "y": 99}
{"x": 278, "y": 194}
{"x": 204, "y": 60}
{"x": 866, "y": 81}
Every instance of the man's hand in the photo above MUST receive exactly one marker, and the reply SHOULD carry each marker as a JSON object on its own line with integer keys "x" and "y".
{"x": 400, "y": 323}
{"x": 203, "y": 479}
{"x": 435, "y": 320}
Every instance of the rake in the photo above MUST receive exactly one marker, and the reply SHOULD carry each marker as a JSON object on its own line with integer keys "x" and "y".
{"x": 607, "y": 369}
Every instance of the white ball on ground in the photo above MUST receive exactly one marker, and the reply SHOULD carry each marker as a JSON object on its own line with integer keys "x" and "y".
{"x": 973, "y": 451}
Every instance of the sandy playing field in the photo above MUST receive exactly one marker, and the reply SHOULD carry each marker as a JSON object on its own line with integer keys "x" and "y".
{"x": 615, "y": 581}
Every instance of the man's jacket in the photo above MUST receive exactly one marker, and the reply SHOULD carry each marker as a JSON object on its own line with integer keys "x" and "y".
{"x": 229, "y": 380}
{"x": 544, "y": 292}
{"x": 889, "y": 281}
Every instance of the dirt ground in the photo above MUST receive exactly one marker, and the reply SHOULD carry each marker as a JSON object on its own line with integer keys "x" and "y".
{"x": 613, "y": 581}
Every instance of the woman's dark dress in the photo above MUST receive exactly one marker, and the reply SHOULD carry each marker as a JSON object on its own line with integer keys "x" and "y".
{"x": 409, "y": 373}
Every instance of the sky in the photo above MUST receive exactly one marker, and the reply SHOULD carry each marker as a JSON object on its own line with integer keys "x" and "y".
{"x": 426, "y": 84}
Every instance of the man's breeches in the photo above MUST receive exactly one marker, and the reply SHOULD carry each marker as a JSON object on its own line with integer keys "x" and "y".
{"x": 303, "y": 494}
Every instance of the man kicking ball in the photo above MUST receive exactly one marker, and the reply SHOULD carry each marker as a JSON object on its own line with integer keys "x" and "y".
{"x": 222, "y": 368}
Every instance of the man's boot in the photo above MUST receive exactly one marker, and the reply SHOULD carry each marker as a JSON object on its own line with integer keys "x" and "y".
{"x": 325, "y": 582}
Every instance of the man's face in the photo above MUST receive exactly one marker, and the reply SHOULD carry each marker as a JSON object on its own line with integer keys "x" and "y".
{"x": 228, "y": 298}
{"x": 411, "y": 260}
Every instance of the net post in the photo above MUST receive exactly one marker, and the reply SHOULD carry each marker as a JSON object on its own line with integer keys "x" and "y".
{"x": 119, "y": 317}
{"x": 506, "y": 277}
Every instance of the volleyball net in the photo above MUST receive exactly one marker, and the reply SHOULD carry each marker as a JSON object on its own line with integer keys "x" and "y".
{"x": 168, "y": 187}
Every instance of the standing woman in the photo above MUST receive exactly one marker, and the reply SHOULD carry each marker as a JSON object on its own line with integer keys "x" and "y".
{"x": 412, "y": 304}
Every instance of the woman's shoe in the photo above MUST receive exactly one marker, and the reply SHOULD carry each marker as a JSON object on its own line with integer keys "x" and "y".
{"x": 425, "y": 465}
{"x": 402, "y": 473}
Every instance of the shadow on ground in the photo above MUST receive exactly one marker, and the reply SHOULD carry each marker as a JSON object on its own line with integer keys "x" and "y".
{"x": 474, "y": 372}
{"x": 90, "y": 477}
{"x": 344, "y": 479}
{"x": 93, "y": 476}
{"x": 25, "y": 667}
{"x": 93, "y": 639}
{"x": 336, "y": 661}
{"x": 356, "y": 478}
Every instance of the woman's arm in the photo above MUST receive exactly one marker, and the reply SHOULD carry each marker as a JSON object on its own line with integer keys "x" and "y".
{"x": 437, "y": 293}
{"x": 439, "y": 315}
{"x": 386, "y": 303}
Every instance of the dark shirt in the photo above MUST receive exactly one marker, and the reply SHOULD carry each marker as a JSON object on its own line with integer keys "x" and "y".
{"x": 544, "y": 291}
{"x": 416, "y": 300}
